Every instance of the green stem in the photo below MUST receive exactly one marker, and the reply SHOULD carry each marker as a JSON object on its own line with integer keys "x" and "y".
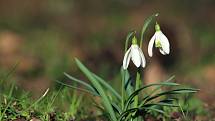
{"x": 145, "y": 26}
{"x": 123, "y": 90}
{"x": 136, "y": 88}
{"x": 127, "y": 40}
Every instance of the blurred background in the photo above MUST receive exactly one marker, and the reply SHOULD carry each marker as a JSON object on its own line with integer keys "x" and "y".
{"x": 43, "y": 37}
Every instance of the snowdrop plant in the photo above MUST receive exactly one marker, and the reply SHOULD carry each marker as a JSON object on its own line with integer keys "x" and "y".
{"x": 131, "y": 104}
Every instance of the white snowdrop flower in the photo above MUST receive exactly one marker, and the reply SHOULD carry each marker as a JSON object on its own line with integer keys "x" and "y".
{"x": 135, "y": 54}
{"x": 160, "y": 41}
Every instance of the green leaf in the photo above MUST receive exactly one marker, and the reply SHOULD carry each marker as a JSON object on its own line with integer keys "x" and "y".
{"x": 130, "y": 98}
{"x": 116, "y": 107}
{"x": 81, "y": 89}
{"x": 129, "y": 111}
{"x": 128, "y": 87}
{"x": 127, "y": 39}
{"x": 176, "y": 91}
{"x": 154, "y": 109}
{"x": 158, "y": 87}
{"x": 99, "y": 88}
{"x": 160, "y": 104}
{"x": 106, "y": 85}
{"x": 145, "y": 26}
{"x": 168, "y": 100}
{"x": 81, "y": 82}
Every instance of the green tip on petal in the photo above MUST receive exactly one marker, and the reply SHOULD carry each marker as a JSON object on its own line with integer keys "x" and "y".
{"x": 134, "y": 40}
{"x": 157, "y": 27}
{"x": 158, "y": 44}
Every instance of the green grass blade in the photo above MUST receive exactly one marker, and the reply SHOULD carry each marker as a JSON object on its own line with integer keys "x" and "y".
{"x": 99, "y": 88}
{"x": 37, "y": 101}
{"x": 55, "y": 96}
{"x": 9, "y": 97}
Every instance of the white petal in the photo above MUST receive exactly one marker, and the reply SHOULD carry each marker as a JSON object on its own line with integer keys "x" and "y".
{"x": 162, "y": 52}
{"x": 135, "y": 55}
{"x": 143, "y": 60}
{"x": 127, "y": 58}
{"x": 164, "y": 43}
{"x": 150, "y": 46}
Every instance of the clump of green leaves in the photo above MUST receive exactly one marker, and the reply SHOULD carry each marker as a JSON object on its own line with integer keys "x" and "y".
{"x": 134, "y": 102}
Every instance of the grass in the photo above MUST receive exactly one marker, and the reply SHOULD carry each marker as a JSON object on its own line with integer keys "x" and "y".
{"x": 64, "y": 104}
{"x": 59, "y": 104}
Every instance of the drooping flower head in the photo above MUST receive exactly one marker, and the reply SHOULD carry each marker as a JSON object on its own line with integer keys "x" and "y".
{"x": 135, "y": 54}
{"x": 161, "y": 42}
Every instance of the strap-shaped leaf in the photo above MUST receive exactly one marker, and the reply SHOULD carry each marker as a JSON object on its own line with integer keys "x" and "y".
{"x": 88, "y": 86}
{"x": 81, "y": 89}
{"x": 128, "y": 82}
{"x": 154, "y": 109}
{"x": 125, "y": 113}
{"x": 169, "y": 101}
{"x": 160, "y": 104}
{"x": 159, "y": 87}
{"x": 127, "y": 39}
{"x": 145, "y": 26}
{"x": 175, "y": 91}
{"x": 99, "y": 88}
{"x": 116, "y": 108}
{"x": 106, "y": 85}
{"x": 128, "y": 102}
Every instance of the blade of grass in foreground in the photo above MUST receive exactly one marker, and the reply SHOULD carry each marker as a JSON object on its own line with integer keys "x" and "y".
{"x": 37, "y": 101}
{"x": 98, "y": 86}
{"x": 10, "y": 101}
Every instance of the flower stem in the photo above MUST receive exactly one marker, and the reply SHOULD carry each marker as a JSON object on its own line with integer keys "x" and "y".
{"x": 123, "y": 90}
{"x": 127, "y": 40}
{"x": 136, "y": 88}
